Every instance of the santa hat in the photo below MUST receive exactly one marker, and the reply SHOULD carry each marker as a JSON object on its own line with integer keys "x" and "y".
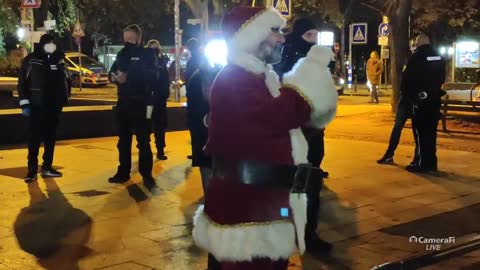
{"x": 245, "y": 28}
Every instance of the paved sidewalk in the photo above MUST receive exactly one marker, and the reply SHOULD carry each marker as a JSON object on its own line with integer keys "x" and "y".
{"x": 369, "y": 211}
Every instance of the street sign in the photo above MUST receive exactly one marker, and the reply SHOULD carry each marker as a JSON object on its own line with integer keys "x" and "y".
{"x": 31, "y": 4}
{"x": 385, "y": 53}
{"x": 383, "y": 41}
{"x": 50, "y": 24}
{"x": 284, "y": 7}
{"x": 358, "y": 33}
{"x": 384, "y": 30}
{"x": 78, "y": 30}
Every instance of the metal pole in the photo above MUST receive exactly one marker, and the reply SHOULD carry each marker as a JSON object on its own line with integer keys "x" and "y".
{"x": 80, "y": 61}
{"x": 205, "y": 19}
{"x": 177, "y": 50}
{"x": 454, "y": 57}
{"x": 350, "y": 46}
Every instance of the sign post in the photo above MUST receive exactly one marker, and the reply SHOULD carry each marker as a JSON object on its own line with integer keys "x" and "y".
{"x": 384, "y": 30}
{"x": 27, "y": 19}
{"x": 358, "y": 36}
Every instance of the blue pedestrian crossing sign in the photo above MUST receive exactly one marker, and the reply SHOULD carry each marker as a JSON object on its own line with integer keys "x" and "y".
{"x": 384, "y": 30}
{"x": 284, "y": 7}
{"x": 359, "y": 33}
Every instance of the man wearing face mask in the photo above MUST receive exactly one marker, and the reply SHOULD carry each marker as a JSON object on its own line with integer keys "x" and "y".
{"x": 44, "y": 88}
{"x": 254, "y": 213}
{"x": 297, "y": 45}
{"x": 160, "y": 100}
{"x": 135, "y": 72}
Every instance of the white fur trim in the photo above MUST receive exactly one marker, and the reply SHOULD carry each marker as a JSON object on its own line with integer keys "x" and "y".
{"x": 299, "y": 146}
{"x": 247, "y": 61}
{"x": 244, "y": 243}
{"x": 254, "y": 32}
{"x": 312, "y": 77}
{"x": 24, "y": 102}
{"x": 298, "y": 204}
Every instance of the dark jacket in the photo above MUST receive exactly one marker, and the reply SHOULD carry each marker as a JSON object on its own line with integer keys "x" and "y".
{"x": 141, "y": 67}
{"x": 43, "y": 79}
{"x": 163, "y": 82}
{"x": 294, "y": 48}
{"x": 198, "y": 87}
{"x": 423, "y": 78}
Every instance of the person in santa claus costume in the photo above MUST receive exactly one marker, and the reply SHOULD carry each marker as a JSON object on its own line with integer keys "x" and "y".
{"x": 252, "y": 218}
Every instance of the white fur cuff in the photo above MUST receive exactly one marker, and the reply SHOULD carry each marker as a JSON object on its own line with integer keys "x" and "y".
{"x": 244, "y": 242}
{"x": 313, "y": 80}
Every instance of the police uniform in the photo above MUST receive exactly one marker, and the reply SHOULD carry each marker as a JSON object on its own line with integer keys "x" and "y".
{"x": 423, "y": 79}
{"x": 131, "y": 111}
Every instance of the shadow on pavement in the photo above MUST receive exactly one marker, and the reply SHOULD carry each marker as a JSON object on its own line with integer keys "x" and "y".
{"x": 136, "y": 193}
{"x": 52, "y": 230}
{"x": 337, "y": 216}
{"x": 18, "y": 172}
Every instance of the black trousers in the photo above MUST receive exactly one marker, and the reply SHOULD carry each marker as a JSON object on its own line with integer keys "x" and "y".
{"x": 160, "y": 124}
{"x": 43, "y": 127}
{"x": 131, "y": 120}
{"x": 425, "y": 122}
{"x": 316, "y": 152}
{"x": 401, "y": 117}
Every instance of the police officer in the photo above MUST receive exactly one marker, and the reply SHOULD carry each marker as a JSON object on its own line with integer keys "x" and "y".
{"x": 44, "y": 88}
{"x": 423, "y": 79}
{"x": 297, "y": 45}
{"x": 160, "y": 119}
{"x": 135, "y": 73}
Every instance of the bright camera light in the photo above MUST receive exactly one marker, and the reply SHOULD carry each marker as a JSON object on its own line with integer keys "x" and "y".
{"x": 451, "y": 51}
{"x": 216, "y": 52}
{"x": 20, "y": 33}
{"x": 443, "y": 50}
{"x": 326, "y": 38}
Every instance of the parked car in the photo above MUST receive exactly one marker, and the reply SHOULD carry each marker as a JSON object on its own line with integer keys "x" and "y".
{"x": 93, "y": 73}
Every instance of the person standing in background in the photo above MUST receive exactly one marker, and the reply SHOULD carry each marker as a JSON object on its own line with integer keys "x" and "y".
{"x": 374, "y": 71}
{"x": 159, "y": 116}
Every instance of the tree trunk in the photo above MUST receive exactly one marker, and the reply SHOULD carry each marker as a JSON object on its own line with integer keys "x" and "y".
{"x": 399, "y": 40}
{"x": 41, "y": 14}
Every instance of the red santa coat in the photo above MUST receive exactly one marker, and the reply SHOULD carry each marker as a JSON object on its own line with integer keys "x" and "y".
{"x": 254, "y": 118}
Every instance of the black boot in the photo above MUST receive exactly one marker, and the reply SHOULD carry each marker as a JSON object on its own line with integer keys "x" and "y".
{"x": 315, "y": 245}
{"x": 213, "y": 264}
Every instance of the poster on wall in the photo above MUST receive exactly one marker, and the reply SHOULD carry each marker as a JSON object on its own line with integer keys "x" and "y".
{"x": 467, "y": 55}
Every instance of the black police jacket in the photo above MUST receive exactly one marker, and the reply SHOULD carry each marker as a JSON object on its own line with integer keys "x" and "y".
{"x": 423, "y": 78}
{"x": 140, "y": 65}
{"x": 43, "y": 80}
{"x": 294, "y": 48}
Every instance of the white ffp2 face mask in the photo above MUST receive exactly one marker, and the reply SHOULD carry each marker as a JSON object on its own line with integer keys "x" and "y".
{"x": 50, "y": 48}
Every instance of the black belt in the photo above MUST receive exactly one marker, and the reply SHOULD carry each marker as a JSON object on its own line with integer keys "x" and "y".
{"x": 256, "y": 173}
